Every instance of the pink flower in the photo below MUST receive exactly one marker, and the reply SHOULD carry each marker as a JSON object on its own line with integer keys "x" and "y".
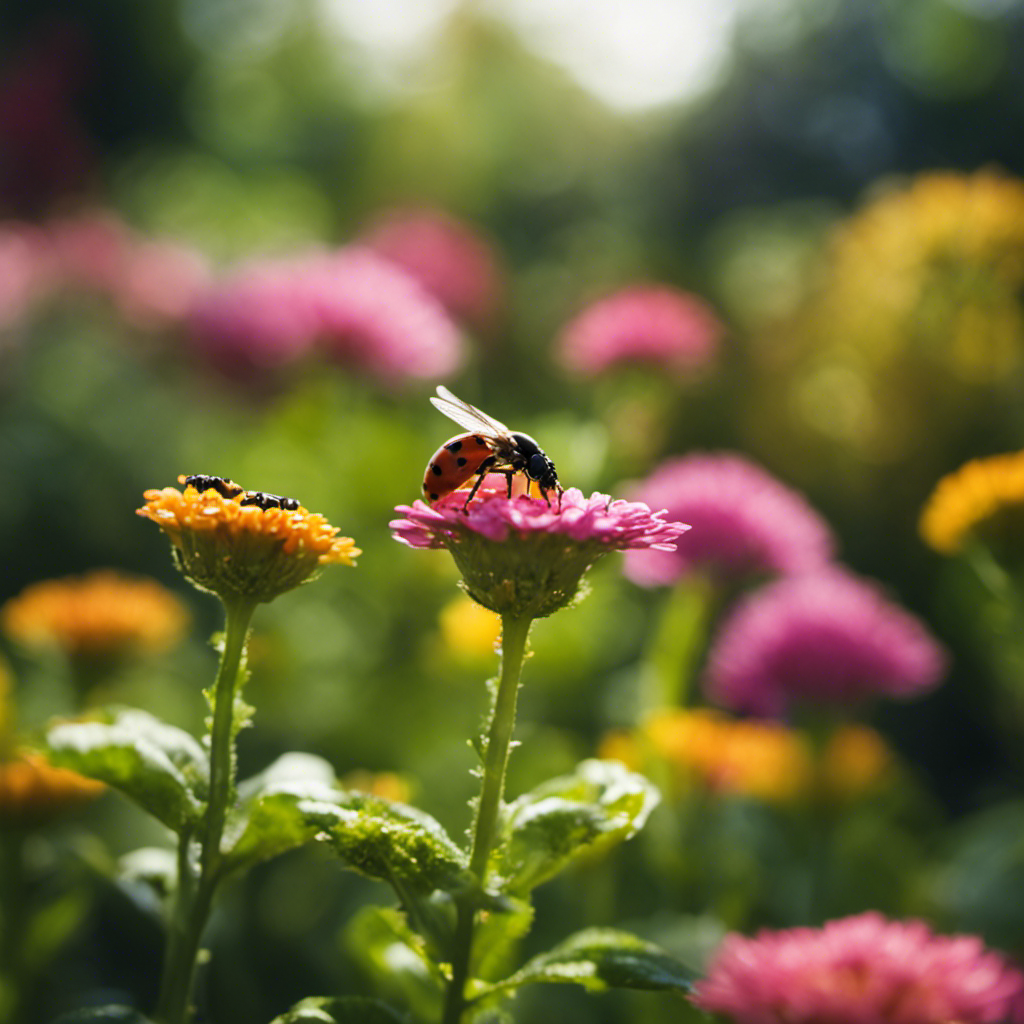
{"x": 451, "y": 260}
{"x": 860, "y": 970}
{"x": 90, "y": 251}
{"x": 824, "y": 638}
{"x": 373, "y": 315}
{"x": 160, "y": 283}
{"x": 262, "y": 317}
{"x": 652, "y": 324}
{"x": 26, "y": 271}
{"x": 523, "y": 556}
{"x": 745, "y": 522}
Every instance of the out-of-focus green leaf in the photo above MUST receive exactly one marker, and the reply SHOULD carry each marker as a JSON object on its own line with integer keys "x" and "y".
{"x": 340, "y": 1010}
{"x": 600, "y": 958}
{"x": 601, "y": 804}
{"x": 271, "y": 817}
{"x": 103, "y": 1015}
{"x": 162, "y": 768}
{"x": 497, "y": 936}
{"x": 395, "y": 957}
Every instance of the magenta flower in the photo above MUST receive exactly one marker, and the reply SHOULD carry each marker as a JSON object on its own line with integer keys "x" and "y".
{"x": 260, "y": 318}
{"x": 26, "y": 271}
{"x": 456, "y": 264}
{"x": 526, "y": 556}
{"x": 376, "y": 317}
{"x": 745, "y": 522}
{"x": 827, "y": 638}
{"x": 161, "y": 283}
{"x": 860, "y": 970}
{"x": 648, "y": 324}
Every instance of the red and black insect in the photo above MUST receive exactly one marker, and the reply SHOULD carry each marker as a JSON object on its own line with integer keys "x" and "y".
{"x": 489, "y": 447}
{"x": 229, "y": 489}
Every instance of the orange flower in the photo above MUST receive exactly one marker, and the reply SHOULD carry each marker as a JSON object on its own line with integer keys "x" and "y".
{"x": 100, "y": 614}
{"x": 387, "y": 785}
{"x": 244, "y": 552}
{"x": 32, "y": 791}
{"x": 855, "y": 760}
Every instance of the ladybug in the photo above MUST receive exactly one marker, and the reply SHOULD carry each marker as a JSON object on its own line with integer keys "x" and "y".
{"x": 229, "y": 489}
{"x": 489, "y": 447}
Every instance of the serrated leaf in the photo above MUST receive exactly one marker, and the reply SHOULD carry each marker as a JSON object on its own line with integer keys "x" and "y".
{"x": 271, "y": 815}
{"x": 600, "y": 958}
{"x": 575, "y": 816}
{"x": 340, "y": 1010}
{"x": 162, "y": 768}
{"x": 390, "y": 841}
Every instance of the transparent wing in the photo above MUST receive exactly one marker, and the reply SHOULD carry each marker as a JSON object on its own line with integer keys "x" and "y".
{"x": 468, "y": 416}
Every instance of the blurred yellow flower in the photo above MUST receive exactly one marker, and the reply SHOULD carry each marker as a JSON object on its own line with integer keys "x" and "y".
{"x": 387, "y": 785}
{"x": 760, "y": 759}
{"x": 983, "y": 494}
{"x": 244, "y": 552}
{"x": 32, "y": 791}
{"x": 468, "y": 630}
{"x": 855, "y": 760}
{"x": 100, "y": 614}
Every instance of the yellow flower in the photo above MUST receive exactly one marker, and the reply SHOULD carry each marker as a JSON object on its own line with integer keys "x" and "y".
{"x": 387, "y": 785}
{"x": 98, "y": 615}
{"x": 32, "y": 791}
{"x": 855, "y": 760}
{"x": 764, "y": 760}
{"x": 468, "y": 630}
{"x": 243, "y": 551}
{"x": 983, "y": 495}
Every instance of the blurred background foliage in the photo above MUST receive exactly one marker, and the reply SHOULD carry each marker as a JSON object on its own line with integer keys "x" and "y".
{"x": 839, "y": 180}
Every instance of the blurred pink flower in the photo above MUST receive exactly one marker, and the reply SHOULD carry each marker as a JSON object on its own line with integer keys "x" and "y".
{"x": 26, "y": 271}
{"x": 744, "y": 522}
{"x": 614, "y": 525}
{"x": 860, "y": 970}
{"x": 260, "y": 318}
{"x": 828, "y": 638}
{"x": 456, "y": 264}
{"x": 653, "y": 324}
{"x": 160, "y": 283}
{"x": 91, "y": 251}
{"x": 375, "y": 316}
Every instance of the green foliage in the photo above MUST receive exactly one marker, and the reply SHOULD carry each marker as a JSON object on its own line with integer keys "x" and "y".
{"x": 571, "y": 818}
{"x": 162, "y": 768}
{"x": 600, "y": 958}
{"x": 113, "y": 1014}
{"x": 344, "y": 1010}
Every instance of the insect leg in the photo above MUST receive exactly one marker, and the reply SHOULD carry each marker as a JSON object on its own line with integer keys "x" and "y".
{"x": 485, "y": 468}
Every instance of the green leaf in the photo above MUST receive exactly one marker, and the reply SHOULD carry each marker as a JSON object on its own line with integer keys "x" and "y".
{"x": 103, "y": 1015}
{"x": 340, "y": 1010}
{"x": 392, "y": 842}
{"x": 271, "y": 817}
{"x": 600, "y": 958}
{"x": 162, "y": 768}
{"x": 572, "y": 817}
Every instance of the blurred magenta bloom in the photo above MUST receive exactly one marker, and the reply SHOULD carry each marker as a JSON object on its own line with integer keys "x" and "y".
{"x": 860, "y": 970}
{"x": 745, "y": 522}
{"x": 26, "y": 271}
{"x": 375, "y": 316}
{"x": 261, "y": 317}
{"x": 356, "y": 307}
{"x": 455, "y": 263}
{"x": 616, "y": 525}
{"x": 826, "y": 638}
{"x": 647, "y": 324}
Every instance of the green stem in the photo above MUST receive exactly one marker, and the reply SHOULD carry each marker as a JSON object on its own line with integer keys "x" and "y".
{"x": 514, "y": 632}
{"x": 199, "y": 870}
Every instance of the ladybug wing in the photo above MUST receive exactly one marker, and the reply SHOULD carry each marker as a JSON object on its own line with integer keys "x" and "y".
{"x": 469, "y": 416}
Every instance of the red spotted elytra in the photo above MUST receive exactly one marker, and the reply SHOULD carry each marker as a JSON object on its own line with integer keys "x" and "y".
{"x": 489, "y": 447}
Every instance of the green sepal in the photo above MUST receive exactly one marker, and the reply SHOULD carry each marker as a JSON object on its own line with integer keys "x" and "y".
{"x": 569, "y": 818}
{"x": 600, "y": 958}
{"x": 271, "y": 815}
{"x": 162, "y": 768}
{"x": 340, "y": 1010}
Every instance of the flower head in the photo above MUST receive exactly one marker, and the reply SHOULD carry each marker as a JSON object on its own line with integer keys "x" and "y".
{"x": 451, "y": 260}
{"x": 33, "y": 791}
{"x": 825, "y": 638}
{"x": 860, "y": 970}
{"x": 985, "y": 496}
{"x": 523, "y": 555}
{"x": 101, "y": 614}
{"x": 647, "y": 324}
{"x": 745, "y": 522}
{"x": 855, "y": 761}
{"x": 242, "y": 551}
{"x": 765, "y": 760}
